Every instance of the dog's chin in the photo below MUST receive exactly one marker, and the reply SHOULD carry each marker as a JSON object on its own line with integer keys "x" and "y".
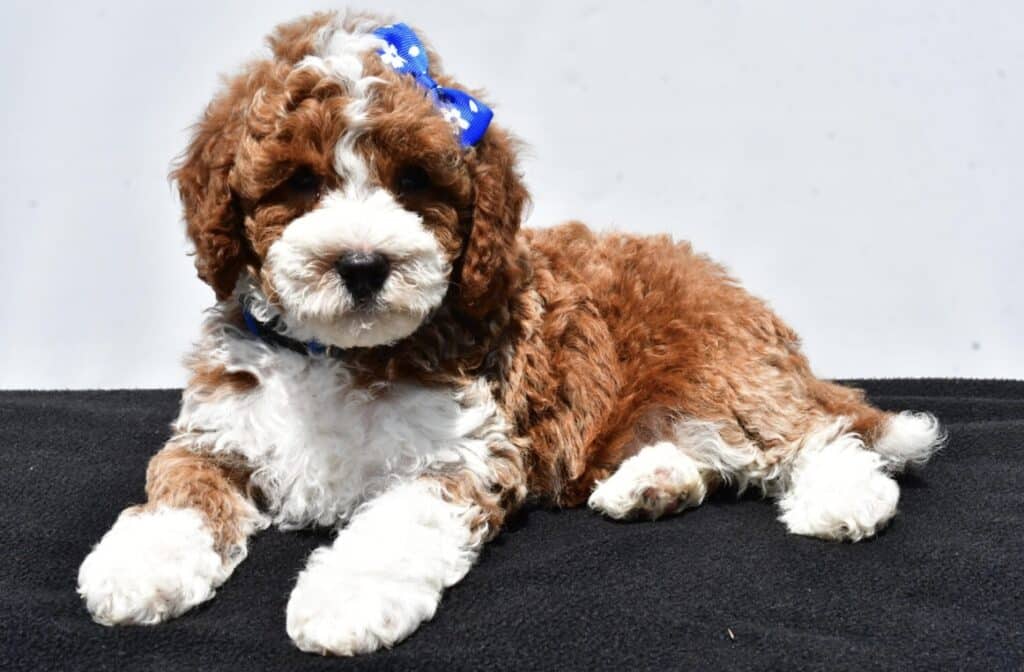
{"x": 362, "y": 329}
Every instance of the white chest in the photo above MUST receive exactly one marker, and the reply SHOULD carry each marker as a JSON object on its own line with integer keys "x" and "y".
{"x": 319, "y": 445}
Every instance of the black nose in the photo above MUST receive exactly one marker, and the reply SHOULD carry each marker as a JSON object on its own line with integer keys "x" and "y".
{"x": 364, "y": 273}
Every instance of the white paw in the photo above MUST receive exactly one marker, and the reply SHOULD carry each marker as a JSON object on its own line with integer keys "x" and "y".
{"x": 660, "y": 479}
{"x": 342, "y": 610}
{"x": 839, "y": 492}
{"x": 150, "y": 567}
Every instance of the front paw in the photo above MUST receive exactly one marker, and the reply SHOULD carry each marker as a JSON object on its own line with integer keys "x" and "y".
{"x": 342, "y": 610}
{"x": 150, "y": 567}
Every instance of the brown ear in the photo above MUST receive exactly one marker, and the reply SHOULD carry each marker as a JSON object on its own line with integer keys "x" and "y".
{"x": 214, "y": 221}
{"x": 489, "y": 263}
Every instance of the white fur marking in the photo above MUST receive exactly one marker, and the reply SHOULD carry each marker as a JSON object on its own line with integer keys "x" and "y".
{"x": 837, "y": 489}
{"x": 319, "y": 444}
{"x": 743, "y": 465}
{"x": 909, "y": 440}
{"x": 340, "y": 55}
{"x": 658, "y": 480}
{"x": 383, "y": 575}
{"x": 152, "y": 566}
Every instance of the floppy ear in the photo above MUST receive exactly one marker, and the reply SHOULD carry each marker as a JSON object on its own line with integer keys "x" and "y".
{"x": 489, "y": 262}
{"x": 213, "y": 219}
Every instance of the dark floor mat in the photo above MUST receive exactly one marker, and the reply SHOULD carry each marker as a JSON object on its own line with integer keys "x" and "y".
{"x": 721, "y": 587}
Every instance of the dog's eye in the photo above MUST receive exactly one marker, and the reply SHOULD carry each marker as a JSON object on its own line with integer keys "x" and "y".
{"x": 412, "y": 179}
{"x": 304, "y": 181}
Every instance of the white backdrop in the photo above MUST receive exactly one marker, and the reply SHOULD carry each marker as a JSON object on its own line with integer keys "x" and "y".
{"x": 856, "y": 163}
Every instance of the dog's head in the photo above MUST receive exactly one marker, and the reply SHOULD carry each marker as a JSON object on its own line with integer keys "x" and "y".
{"x": 341, "y": 188}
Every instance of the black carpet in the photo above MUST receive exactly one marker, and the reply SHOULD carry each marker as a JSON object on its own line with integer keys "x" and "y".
{"x": 720, "y": 587}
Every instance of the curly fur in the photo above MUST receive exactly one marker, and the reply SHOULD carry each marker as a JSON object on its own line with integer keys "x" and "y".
{"x": 493, "y": 366}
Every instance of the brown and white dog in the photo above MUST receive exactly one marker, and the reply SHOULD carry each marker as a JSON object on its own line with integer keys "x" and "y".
{"x": 467, "y": 366}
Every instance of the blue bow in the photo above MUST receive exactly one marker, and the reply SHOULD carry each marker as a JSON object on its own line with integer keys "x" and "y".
{"x": 407, "y": 55}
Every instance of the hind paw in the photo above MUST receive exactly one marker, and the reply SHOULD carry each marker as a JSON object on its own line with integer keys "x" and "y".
{"x": 657, "y": 481}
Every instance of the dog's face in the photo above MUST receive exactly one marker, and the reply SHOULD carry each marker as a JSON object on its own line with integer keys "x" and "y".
{"x": 339, "y": 186}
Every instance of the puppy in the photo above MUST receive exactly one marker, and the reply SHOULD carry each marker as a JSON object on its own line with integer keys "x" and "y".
{"x": 392, "y": 356}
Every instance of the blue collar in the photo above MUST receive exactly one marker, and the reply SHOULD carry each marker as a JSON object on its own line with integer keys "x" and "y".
{"x": 268, "y": 333}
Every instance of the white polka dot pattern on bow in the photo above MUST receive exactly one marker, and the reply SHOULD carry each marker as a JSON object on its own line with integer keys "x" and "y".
{"x": 405, "y": 53}
{"x": 453, "y": 116}
{"x": 390, "y": 56}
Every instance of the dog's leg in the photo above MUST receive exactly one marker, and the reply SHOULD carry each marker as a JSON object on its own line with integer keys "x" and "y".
{"x": 384, "y": 574}
{"x": 837, "y": 484}
{"x": 168, "y": 555}
{"x": 827, "y": 459}
{"x": 820, "y": 448}
{"x": 679, "y": 472}
{"x": 660, "y": 479}
{"x": 837, "y": 488}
